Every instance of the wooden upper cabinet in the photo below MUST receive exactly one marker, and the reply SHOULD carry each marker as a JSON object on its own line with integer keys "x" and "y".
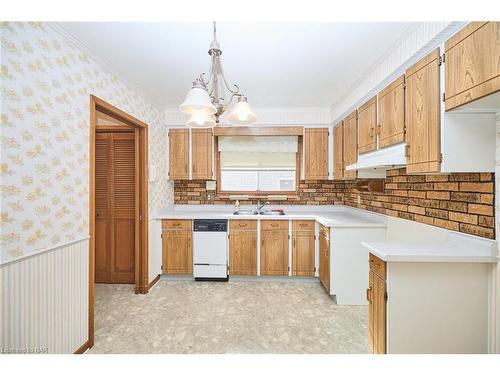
{"x": 367, "y": 126}
{"x": 316, "y": 153}
{"x": 350, "y": 145}
{"x": 274, "y": 248}
{"x": 178, "y": 140}
{"x": 202, "y": 153}
{"x": 338, "y": 152}
{"x": 423, "y": 116}
{"x": 391, "y": 107}
{"x": 472, "y": 63}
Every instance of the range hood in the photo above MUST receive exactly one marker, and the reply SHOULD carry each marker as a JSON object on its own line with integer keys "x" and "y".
{"x": 374, "y": 164}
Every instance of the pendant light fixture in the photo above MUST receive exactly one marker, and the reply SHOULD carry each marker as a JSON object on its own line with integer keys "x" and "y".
{"x": 205, "y": 101}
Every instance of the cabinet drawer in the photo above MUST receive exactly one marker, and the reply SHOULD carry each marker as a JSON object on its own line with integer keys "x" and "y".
{"x": 243, "y": 224}
{"x": 325, "y": 231}
{"x": 177, "y": 224}
{"x": 377, "y": 265}
{"x": 302, "y": 225}
{"x": 274, "y": 224}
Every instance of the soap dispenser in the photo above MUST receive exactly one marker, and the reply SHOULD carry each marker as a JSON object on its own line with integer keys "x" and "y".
{"x": 237, "y": 206}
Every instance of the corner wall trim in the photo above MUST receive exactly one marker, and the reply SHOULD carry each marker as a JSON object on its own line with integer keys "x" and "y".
{"x": 82, "y": 349}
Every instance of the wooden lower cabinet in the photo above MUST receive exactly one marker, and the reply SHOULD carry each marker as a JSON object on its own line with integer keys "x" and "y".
{"x": 303, "y": 240}
{"x": 243, "y": 247}
{"x": 377, "y": 306}
{"x": 274, "y": 248}
{"x": 324, "y": 256}
{"x": 177, "y": 247}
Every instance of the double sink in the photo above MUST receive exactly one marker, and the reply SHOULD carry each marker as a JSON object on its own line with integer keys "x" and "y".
{"x": 255, "y": 212}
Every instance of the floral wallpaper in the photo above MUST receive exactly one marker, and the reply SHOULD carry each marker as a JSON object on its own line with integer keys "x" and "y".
{"x": 46, "y": 81}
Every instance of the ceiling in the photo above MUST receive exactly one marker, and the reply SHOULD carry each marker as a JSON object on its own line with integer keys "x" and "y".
{"x": 275, "y": 64}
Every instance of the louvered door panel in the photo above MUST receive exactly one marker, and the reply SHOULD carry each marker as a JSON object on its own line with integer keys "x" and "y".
{"x": 102, "y": 208}
{"x": 124, "y": 203}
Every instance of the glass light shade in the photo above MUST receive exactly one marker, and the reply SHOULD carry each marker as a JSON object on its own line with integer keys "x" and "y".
{"x": 242, "y": 114}
{"x": 197, "y": 100}
{"x": 201, "y": 120}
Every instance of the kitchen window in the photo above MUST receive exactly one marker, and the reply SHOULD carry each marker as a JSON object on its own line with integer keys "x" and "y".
{"x": 258, "y": 163}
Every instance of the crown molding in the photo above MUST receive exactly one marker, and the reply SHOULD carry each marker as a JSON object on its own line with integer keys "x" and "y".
{"x": 268, "y": 116}
{"x": 418, "y": 41}
{"x": 62, "y": 31}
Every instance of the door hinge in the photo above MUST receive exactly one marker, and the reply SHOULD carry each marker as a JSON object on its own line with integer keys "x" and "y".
{"x": 288, "y": 268}
{"x": 442, "y": 59}
{"x": 288, "y": 236}
{"x": 168, "y": 174}
{"x": 386, "y": 297}
{"x": 315, "y": 238}
{"x": 161, "y": 235}
{"x": 140, "y": 217}
{"x": 314, "y": 269}
{"x": 444, "y": 97}
{"x": 404, "y": 85}
{"x": 441, "y": 157}
{"x": 162, "y": 266}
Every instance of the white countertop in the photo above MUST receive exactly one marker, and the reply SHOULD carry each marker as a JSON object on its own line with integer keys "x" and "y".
{"x": 328, "y": 215}
{"x": 458, "y": 248}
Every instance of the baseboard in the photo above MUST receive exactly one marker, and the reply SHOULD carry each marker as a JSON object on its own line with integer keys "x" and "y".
{"x": 82, "y": 349}
{"x": 152, "y": 283}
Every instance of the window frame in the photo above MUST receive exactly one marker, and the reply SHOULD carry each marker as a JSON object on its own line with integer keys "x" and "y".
{"x": 258, "y": 193}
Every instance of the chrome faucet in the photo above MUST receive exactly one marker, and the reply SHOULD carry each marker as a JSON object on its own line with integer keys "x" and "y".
{"x": 260, "y": 206}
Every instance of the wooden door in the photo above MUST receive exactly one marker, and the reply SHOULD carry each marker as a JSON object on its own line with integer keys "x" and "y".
{"x": 324, "y": 257}
{"x": 274, "y": 248}
{"x": 202, "y": 153}
{"x": 367, "y": 126}
{"x": 350, "y": 145}
{"x": 423, "y": 116}
{"x": 243, "y": 247}
{"x": 316, "y": 153}
{"x": 472, "y": 68}
{"x": 391, "y": 102}
{"x": 103, "y": 217}
{"x": 177, "y": 246}
{"x": 178, "y": 154}
{"x": 338, "y": 152}
{"x": 303, "y": 241}
{"x": 116, "y": 202}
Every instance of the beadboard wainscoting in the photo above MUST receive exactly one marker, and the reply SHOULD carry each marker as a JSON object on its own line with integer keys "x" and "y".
{"x": 45, "y": 300}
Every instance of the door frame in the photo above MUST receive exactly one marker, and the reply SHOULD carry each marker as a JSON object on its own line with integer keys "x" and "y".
{"x": 141, "y": 216}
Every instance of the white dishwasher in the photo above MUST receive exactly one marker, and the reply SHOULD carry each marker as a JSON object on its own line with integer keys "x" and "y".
{"x": 210, "y": 250}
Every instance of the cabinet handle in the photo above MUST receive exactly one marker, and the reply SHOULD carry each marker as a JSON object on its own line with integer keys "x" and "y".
{"x": 372, "y": 135}
{"x": 368, "y": 294}
{"x": 242, "y": 225}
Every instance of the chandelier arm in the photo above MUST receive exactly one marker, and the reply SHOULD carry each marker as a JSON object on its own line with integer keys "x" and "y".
{"x": 236, "y": 89}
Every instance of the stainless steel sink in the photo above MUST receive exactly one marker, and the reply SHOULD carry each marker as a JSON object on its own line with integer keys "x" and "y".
{"x": 246, "y": 212}
{"x": 272, "y": 213}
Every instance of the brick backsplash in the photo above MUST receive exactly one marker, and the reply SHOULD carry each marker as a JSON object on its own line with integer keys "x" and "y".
{"x": 462, "y": 202}
{"x": 310, "y": 193}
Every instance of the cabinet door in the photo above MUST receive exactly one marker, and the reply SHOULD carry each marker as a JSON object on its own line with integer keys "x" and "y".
{"x": 367, "y": 125}
{"x": 423, "y": 116}
{"x": 178, "y": 154}
{"x": 316, "y": 154}
{"x": 472, "y": 68}
{"x": 350, "y": 145}
{"x": 391, "y": 102}
{"x": 177, "y": 252}
{"x": 379, "y": 315}
{"x": 324, "y": 258}
{"x": 243, "y": 252}
{"x": 202, "y": 151}
{"x": 371, "y": 312}
{"x": 274, "y": 250}
{"x": 303, "y": 249}
{"x": 338, "y": 152}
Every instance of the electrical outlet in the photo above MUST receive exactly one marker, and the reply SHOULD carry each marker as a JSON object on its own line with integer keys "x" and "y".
{"x": 359, "y": 199}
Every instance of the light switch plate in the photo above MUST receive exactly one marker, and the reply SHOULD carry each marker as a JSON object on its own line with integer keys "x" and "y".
{"x": 210, "y": 185}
